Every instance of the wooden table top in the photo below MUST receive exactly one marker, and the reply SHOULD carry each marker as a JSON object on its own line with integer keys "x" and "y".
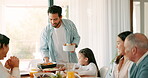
{"x": 85, "y": 76}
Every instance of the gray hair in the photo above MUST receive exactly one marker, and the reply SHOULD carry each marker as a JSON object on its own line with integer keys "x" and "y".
{"x": 139, "y": 40}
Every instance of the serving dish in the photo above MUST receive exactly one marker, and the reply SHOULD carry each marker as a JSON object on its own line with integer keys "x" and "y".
{"x": 68, "y": 47}
{"x": 46, "y": 65}
{"x": 50, "y": 70}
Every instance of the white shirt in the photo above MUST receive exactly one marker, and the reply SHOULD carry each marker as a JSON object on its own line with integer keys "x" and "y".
{"x": 90, "y": 69}
{"x": 4, "y": 73}
{"x": 59, "y": 39}
{"x": 123, "y": 73}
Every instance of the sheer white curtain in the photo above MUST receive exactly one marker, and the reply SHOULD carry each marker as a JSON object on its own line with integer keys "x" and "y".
{"x": 1, "y": 16}
{"x": 98, "y": 23}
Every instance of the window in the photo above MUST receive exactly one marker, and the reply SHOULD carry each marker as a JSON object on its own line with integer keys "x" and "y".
{"x": 23, "y": 22}
{"x": 65, "y": 7}
{"x": 146, "y": 18}
{"x": 23, "y": 26}
{"x": 136, "y": 17}
{"x": 140, "y": 14}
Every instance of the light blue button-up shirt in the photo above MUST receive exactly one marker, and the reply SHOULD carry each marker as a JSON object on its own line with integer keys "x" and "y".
{"x": 140, "y": 69}
{"x": 47, "y": 45}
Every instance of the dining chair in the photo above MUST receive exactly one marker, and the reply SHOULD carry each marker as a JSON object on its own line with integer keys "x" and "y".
{"x": 103, "y": 71}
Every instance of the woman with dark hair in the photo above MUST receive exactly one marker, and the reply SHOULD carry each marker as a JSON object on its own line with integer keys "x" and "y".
{"x": 12, "y": 63}
{"x": 122, "y": 63}
{"x": 87, "y": 63}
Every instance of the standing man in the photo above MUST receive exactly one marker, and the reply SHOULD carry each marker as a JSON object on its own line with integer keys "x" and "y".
{"x": 136, "y": 50}
{"x": 55, "y": 35}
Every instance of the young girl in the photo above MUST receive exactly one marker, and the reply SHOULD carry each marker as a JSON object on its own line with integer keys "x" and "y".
{"x": 87, "y": 64}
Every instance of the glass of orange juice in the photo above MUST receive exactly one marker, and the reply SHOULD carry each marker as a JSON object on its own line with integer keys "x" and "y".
{"x": 70, "y": 74}
{"x": 32, "y": 71}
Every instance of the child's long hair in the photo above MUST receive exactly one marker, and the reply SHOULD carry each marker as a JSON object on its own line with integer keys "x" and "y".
{"x": 88, "y": 53}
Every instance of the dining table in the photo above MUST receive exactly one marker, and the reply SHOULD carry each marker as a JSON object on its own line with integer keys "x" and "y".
{"x": 82, "y": 76}
{"x": 86, "y": 76}
{"x": 27, "y": 75}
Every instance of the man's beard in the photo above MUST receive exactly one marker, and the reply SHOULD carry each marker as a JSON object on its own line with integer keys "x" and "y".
{"x": 57, "y": 24}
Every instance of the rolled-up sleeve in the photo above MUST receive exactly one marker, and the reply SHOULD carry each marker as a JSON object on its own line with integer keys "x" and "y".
{"x": 72, "y": 32}
{"x": 76, "y": 36}
{"x": 44, "y": 49}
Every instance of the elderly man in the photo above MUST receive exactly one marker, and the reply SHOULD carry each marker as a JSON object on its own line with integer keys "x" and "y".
{"x": 136, "y": 50}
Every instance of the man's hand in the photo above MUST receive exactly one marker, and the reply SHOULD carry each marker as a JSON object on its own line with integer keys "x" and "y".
{"x": 74, "y": 49}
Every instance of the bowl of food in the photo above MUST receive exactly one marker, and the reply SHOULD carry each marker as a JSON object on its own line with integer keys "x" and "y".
{"x": 68, "y": 47}
{"x": 46, "y": 65}
{"x": 53, "y": 70}
{"x": 44, "y": 75}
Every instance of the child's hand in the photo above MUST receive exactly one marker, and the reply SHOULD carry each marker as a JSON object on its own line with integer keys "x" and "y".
{"x": 62, "y": 68}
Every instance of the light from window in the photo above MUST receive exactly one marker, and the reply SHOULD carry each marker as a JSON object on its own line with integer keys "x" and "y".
{"x": 24, "y": 26}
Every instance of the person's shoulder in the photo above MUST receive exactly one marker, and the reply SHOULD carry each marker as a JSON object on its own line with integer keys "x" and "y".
{"x": 145, "y": 60}
{"x": 66, "y": 21}
{"x": 144, "y": 64}
{"x": 92, "y": 64}
{"x": 48, "y": 27}
{"x": 46, "y": 30}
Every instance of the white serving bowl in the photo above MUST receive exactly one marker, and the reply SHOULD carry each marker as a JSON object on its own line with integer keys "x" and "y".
{"x": 68, "y": 47}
